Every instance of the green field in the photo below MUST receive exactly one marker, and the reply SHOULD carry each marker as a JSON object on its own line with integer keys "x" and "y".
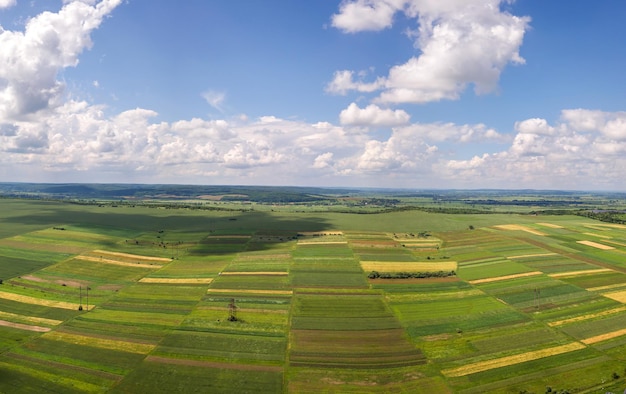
{"x": 125, "y": 299}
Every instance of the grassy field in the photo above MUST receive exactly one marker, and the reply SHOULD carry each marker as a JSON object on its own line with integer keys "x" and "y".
{"x": 127, "y": 299}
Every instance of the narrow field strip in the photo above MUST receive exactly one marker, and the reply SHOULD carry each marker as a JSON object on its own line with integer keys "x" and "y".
{"x": 116, "y": 262}
{"x": 214, "y": 364}
{"x": 595, "y": 245}
{"x": 252, "y": 310}
{"x": 29, "y": 319}
{"x": 310, "y": 242}
{"x": 586, "y": 317}
{"x": 610, "y": 241}
{"x": 38, "y": 301}
{"x": 611, "y": 225}
{"x": 604, "y": 337}
{"x": 177, "y": 281}
{"x": 598, "y": 235}
{"x": 523, "y": 256}
{"x": 505, "y": 277}
{"x": 262, "y": 273}
{"x": 577, "y": 273}
{"x": 519, "y": 227}
{"x": 409, "y": 266}
{"x": 133, "y": 256}
{"x": 550, "y": 225}
{"x": 619, "y": 296}
{"x": 282, "y": 292}
{"x": 102, "y": 343}
{"x": 24, "y": 327}
{"x": 511, "y": 360}
{"x": 607, "y": 287}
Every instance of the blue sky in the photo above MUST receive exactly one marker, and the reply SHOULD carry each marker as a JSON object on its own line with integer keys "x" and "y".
{"x": 375, "y": 93}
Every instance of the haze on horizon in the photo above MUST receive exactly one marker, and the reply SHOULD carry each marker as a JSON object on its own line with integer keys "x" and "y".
{"x": 352, "y": 93}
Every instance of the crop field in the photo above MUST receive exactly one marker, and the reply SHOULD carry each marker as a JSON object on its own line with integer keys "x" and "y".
{"x": 136, "y": 299}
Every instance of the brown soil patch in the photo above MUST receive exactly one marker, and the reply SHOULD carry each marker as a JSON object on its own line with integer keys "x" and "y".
{"x": 25, "y": 327}
{"x": 511, "y": 360}
{"x": 61, "y": 281}
{"x": 110, "y": 287}
{"x": 214, "y": 364}
{"x": 505, "y": 277}
{"x": 595, "y": 245}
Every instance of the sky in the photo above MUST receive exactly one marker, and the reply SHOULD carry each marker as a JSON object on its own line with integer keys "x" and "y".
{"x": 414, "y": 94}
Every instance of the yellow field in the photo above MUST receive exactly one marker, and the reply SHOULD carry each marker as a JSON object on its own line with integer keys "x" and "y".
{"x": 282, "y": 292}
{"x": 607, "y": 287}
{"x": 38, "y": 301}
{"x": 264, "y": 273}
{"x": 598, "y": 235}
{"x": 595, "y": 245}
{"x": 604, "y": 337}
{"x": 133, "y": 256}
{"x": 511, "y": 360}
{"x": 179, "y": 281}
{"x": 586, "y": 317}
{"x": 519, "y": 227}
{"x": 24, "y": 327}
{"x": 410, "y": 266}
{"x": 102, "y": 343}
{"x": 29, "y": 319}
{"x": 619, "y": 296}
{"x": 550, "y": 225}
{"x": 505, "y": 277}
{"x": 116, "y": 262}
{"x": 577, "y": 273}
{"x": 532, "y": 255}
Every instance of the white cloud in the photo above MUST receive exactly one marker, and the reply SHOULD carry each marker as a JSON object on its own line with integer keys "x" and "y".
{"x": 7, "y": 3}
{"x": 30, "y": 60}
{"x": 461, "y": 42}
{"x": 215, "y": 99}
{"x": 372, "y": 115}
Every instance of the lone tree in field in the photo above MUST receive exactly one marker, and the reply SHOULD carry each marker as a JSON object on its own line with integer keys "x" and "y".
{"x": 232, "y": 310}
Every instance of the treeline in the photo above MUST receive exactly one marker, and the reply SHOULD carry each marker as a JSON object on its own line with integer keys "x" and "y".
{"x": 410, "y": 275}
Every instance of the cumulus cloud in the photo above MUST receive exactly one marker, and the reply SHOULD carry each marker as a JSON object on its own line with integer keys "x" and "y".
{"x": 461, "y": 43}
{"x": 31, "y": 60}
{"x": 372, "y": 115}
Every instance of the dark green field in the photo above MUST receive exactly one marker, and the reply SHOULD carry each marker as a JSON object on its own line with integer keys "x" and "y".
{"x": 273, "y": 298}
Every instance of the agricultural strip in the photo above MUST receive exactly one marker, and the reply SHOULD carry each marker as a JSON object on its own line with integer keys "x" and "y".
{"x": 604, "y": 337}
{"x": 595, "y": 245}
{"x": 511, "y": 360}
{"x": 29, "y": 319}
{"x": 97, "y": 342}
{"x": 409, "y": 266}
{"x": 505, "y": 277}
{"x": 178, "y": 281}
{"x": 518, "y": 227}
{"x": 245, "y": 291}
{"x": 550, "y": 225}
{"x": 213, "y": 364}
{"x": 576, "y": 273}
{"x": 264, "y": 273}
{"x": 532, "y": 255}
{"x": 132, "y": 256}
{"x": 115, "y": 262}
{"x": 619, "y": 296}
{"x": 38, "y": 301}
{"x": 586, "y": 317}
{"x": 25, "y": 327}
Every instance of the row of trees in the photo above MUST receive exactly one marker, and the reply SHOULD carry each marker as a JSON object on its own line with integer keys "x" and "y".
{"x": 409, "y": 275}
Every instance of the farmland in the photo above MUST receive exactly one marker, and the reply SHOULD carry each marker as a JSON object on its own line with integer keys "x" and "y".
{"x": 159, "y": 297}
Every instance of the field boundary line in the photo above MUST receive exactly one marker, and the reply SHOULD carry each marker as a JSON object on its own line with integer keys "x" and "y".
{"x": 261, "y": 273}
{"x": 511, "y": 360}
{"x": 505, "y": 277}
